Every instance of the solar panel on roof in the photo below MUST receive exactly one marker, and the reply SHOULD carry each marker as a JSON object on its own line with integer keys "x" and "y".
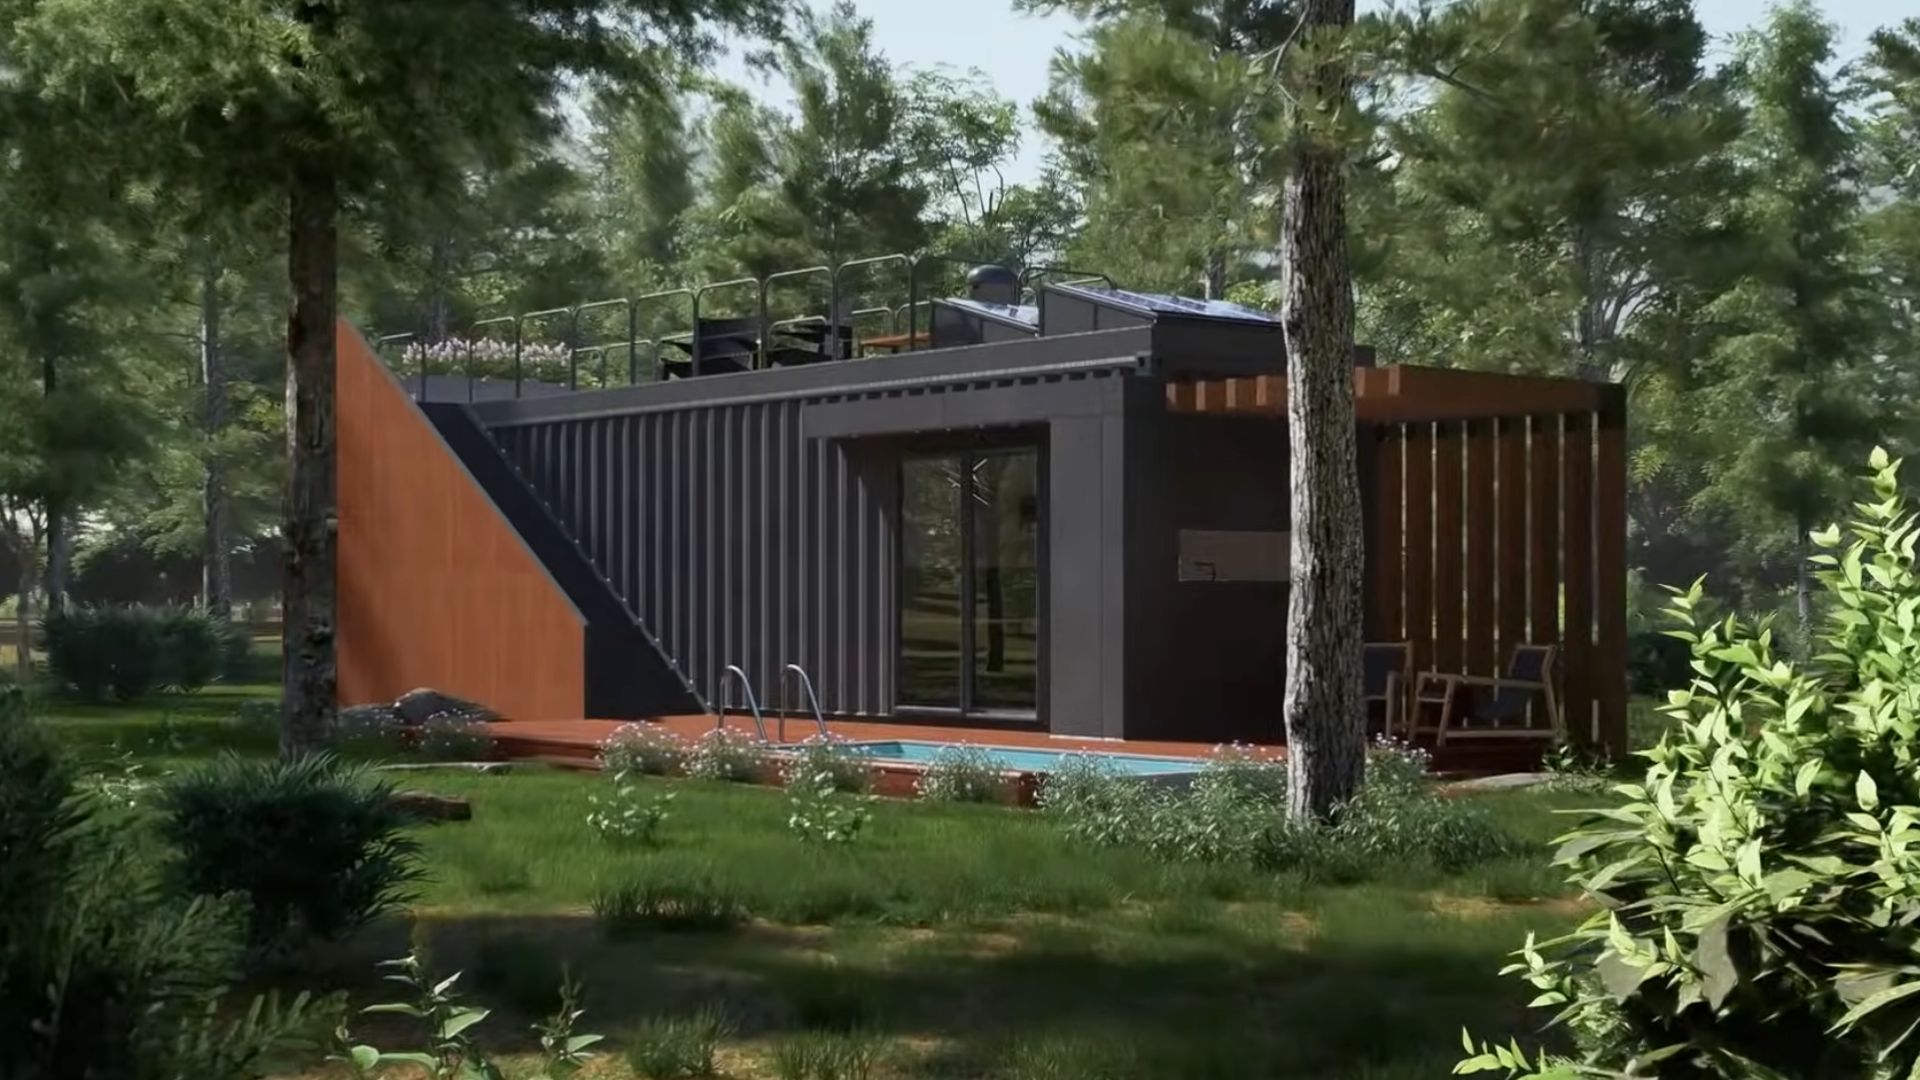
{"x": 1013, "y": 312}
{"x": 1160, "y": 304}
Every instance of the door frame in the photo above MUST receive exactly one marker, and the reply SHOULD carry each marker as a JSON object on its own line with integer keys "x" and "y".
{"x": 985, "y": 444}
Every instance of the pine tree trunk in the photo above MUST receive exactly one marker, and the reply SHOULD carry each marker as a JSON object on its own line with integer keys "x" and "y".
{"x": 307, "y": 543}
{"x": 216, "y": 560}
{"x": 59, "y": 538}
{"x": 59, "y": 556}
{"x": 439, "y": 305}
{"x": 25, "y": 548}
{"x": 1326, "y": 733}
{"x": 1803, "y": 579}
{"x": 1215, "y": 284}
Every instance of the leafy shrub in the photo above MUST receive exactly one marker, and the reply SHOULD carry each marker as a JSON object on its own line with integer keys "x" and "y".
{"x": 636, "y": 906}
{"x": 832, "y": 761}
{"x": 1235, "y": 811}
{"x": 1759, "y": 886}
{"x": 1223, "y": 816}
{"x": 644, "y": 750}
{"x": 725, "y": 754}
{"x": 819, "y": 812}
{"x": 627, "y": 815}
{"x": 451, "y": 1053}
{"x": 961, "y": 773}
{"x": 674, "y": 1047}
{"x": 1094, "y": 803}
{"x": 238, "y": 662}
{"x": 826, "y": 1056}
{"x": 190, "y": 648}
{"x": 103, "y": 970}
{"x": 126, "y": 652}
{"x": 1398, "y": 764}
{"x": 315, "y": 844}
{"x": 119, "y": 782}
{"x": 99, "y": 652}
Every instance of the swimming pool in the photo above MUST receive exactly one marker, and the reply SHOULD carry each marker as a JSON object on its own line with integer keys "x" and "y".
{"x": 1015, "y": 759}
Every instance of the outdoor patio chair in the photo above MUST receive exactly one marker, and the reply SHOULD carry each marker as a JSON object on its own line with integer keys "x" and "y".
{"x": 1383, "y": 673}
{"x": 1476, "y": 706}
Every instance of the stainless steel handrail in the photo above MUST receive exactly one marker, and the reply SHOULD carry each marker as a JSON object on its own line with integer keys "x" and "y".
{"x": 753, "y": 703}
{"x": 813, "y": 700}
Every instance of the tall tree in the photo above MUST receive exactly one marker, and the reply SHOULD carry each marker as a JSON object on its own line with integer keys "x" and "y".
{"x": 315, "y": 102}
{"x": 1790, "y": 398}
{"x": 1326, "y": 739}
{"x": 1160, "y": 124}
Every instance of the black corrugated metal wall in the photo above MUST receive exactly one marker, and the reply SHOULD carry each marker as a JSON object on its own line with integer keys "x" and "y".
{"x": 735, "y": 539}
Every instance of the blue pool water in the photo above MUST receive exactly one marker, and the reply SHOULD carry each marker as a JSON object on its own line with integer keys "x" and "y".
{"x": 1022, "y": 760}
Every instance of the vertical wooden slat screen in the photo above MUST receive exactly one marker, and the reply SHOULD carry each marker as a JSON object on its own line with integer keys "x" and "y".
{"x": 1491, "y": 527}
{"x": 1512, "y": 549}
{"x": 1576, "y": 493}
{"x": 1387, "y": 600}
{"x": 1447, "y": 548}
{"x": 1480, "y": 526}
{"x": 1610, "y": 580}
{"x": 1543, "y": 530}
{"x": 1418, "y": 531}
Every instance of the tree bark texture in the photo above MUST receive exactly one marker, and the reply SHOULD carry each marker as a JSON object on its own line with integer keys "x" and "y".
{"x": 310, "y": 524}
{"x": 1326, "y": 735}
{"x": 216, "y": 561}
{"x": 59, "y": 526}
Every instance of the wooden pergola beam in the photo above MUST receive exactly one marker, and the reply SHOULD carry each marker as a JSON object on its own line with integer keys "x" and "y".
{"x": 1403, "y": 393}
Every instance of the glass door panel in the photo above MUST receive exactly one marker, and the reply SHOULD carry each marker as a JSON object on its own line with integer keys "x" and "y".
{"x": 1006, "y": 569}
{"x": 931, "y": 566}
{"x": 970, "y": 587}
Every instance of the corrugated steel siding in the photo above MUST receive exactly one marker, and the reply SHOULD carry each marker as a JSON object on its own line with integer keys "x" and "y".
{"x": 735, "y": 539}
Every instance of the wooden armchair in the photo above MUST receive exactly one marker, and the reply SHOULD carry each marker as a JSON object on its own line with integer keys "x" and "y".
{"x": 1488, "y": 706}
{"x": 1383, "y": 672}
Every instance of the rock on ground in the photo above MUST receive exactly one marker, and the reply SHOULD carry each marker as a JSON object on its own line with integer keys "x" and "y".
{"x": 427, "y": 806}
{"x": 422, "y": 705}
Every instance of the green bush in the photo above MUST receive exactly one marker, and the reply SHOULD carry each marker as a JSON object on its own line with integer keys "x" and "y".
{"x": 832, "y": 762}
{"x": 644, "y": 750}
{"x": 450, "y": 1050}
{"x": 636, "y": 906}
{"x": 675, "y": 1047}
{"x": 314, "y": 844}
{"x": 98, "y": 652}
{"x": 191, "y": 648}
{"x": 127, "y": 652}
{"x": 103, "y": 970}
{"x": 725, "y": 754}
{"x": 626, "y": 814}
{"x": 826, "y": 1056}
{"x": 1234, "y": 811}
{"x": 961, "y": 773}
{"x": 1760, "y": 886}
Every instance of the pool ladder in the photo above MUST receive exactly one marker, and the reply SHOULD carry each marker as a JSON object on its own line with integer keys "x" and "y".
{"x": 753, "y": 702}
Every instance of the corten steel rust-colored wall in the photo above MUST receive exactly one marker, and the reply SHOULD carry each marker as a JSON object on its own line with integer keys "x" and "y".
{"x": 1505, "y": 530}
{"x": 435, "y": 587}
{"x": 751, "y": 519}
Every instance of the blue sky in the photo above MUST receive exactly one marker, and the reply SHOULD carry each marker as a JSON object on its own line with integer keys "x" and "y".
{"x": 1013, "y": 50}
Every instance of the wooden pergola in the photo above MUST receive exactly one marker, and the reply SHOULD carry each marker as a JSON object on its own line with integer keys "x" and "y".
{"x": 1496, "y": 515}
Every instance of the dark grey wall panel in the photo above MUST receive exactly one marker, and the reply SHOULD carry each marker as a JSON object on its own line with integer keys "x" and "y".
{"x": 761, "y": 530}
{"x": 1206, "y": 661}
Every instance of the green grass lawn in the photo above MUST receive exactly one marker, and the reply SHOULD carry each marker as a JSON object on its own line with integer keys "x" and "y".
{"x": 957, "y": 942}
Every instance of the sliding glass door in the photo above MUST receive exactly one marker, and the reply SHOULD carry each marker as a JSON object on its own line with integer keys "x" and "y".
{"x": 970, "y": 589}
